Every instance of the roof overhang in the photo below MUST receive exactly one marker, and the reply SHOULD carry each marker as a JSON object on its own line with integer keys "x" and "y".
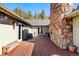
{"x": 39, "y": 25}
{"x": 10, "y": 13}
{"x": 73, "y": 14}
{"x": 39, "y": 22}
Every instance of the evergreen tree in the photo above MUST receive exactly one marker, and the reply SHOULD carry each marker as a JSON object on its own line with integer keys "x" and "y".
{"x": 43, "y": 16}
{"x": 39, "y": 16}
{"x": 30, "y": 15}
{"x": 35, "y": 16}
{"x": 24, "y": 15}
{"x": 20, "y": 12}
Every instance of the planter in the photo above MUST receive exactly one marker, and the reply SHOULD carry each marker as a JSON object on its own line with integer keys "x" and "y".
{"x": 72, "y": 48}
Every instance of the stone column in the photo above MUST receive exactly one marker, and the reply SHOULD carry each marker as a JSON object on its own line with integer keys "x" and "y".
{"x": 60, "y": 26}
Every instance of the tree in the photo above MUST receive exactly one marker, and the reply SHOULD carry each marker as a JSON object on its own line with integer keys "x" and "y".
{"x": 25, "y": 16}
{"x": 20, "y": 12}
{"x": 30, "y": 15}
{"x": 39, "y": 16}
{"x": 35, "y": 16}
{"x": 43, "y": 16}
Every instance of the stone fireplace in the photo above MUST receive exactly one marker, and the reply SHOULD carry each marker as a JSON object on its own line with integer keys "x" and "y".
{"x": 60, "y": 26}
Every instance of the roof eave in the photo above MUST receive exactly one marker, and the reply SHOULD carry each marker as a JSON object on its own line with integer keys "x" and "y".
{"x": 38, "y": 25}
{"x": 73, "y": 14}
{"x": 10, "y": 13}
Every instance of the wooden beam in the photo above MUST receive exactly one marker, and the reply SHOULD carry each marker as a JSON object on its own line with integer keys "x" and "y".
{"x": 16, "y": 17}
{"x": 7, "y": 13}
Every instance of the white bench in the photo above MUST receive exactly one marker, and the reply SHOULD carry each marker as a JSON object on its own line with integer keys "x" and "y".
{"x": 8, "y": 48}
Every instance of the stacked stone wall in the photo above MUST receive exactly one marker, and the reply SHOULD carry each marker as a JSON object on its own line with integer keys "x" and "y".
{"x": 60, "y": 26}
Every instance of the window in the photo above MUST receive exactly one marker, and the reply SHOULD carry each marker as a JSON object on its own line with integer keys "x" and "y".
{"x": 1, "y": 16}
{"x": 38, "y": 30}
{"x": 19, "y": 32}
{"x": 13, "y": 25}
{"x": 5, "y": 17}
{"x": 41, "y": 30}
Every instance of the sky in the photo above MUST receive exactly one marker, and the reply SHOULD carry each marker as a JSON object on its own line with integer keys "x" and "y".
{"x": 76, "y": 4}
{"x": 33, "y": 7}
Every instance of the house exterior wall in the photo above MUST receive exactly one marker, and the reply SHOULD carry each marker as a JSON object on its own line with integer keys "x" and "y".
{"x": 59, "y": 25}
{"x": 9, "y": 30}
{"x": 7, "y": 35}
{"x": 34, "y": 30}
{"x": 76, "y": 32}
{"x": 45, "y": 29}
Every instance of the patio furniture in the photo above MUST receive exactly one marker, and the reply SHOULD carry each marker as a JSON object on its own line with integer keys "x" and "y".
{"x": 8, "y": 48}
{"x": 27, "y": 36}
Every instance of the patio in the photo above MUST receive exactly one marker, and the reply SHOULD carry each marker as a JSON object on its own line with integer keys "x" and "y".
{"x": 45, "y": 47}
{"x": 24, "y": 49}
{"x": 42, "y": 47}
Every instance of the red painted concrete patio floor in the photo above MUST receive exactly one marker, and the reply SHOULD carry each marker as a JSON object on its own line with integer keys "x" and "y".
{"x": 43, "y": 47}
{"x": 24, "y": 49}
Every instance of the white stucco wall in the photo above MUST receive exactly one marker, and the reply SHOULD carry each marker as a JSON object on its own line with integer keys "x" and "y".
{"x": 7, "y": 35}
{"x": 45, "y": 29}
{"x": 76, "y": 32}
{"x": 33, "y": 30}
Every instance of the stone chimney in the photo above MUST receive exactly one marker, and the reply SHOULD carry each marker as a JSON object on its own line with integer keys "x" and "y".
{"x": 57, "y": 13}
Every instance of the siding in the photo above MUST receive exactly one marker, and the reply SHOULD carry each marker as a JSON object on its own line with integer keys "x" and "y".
{"x": 76, "y": 32}
{"x": 7, "y": 35}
